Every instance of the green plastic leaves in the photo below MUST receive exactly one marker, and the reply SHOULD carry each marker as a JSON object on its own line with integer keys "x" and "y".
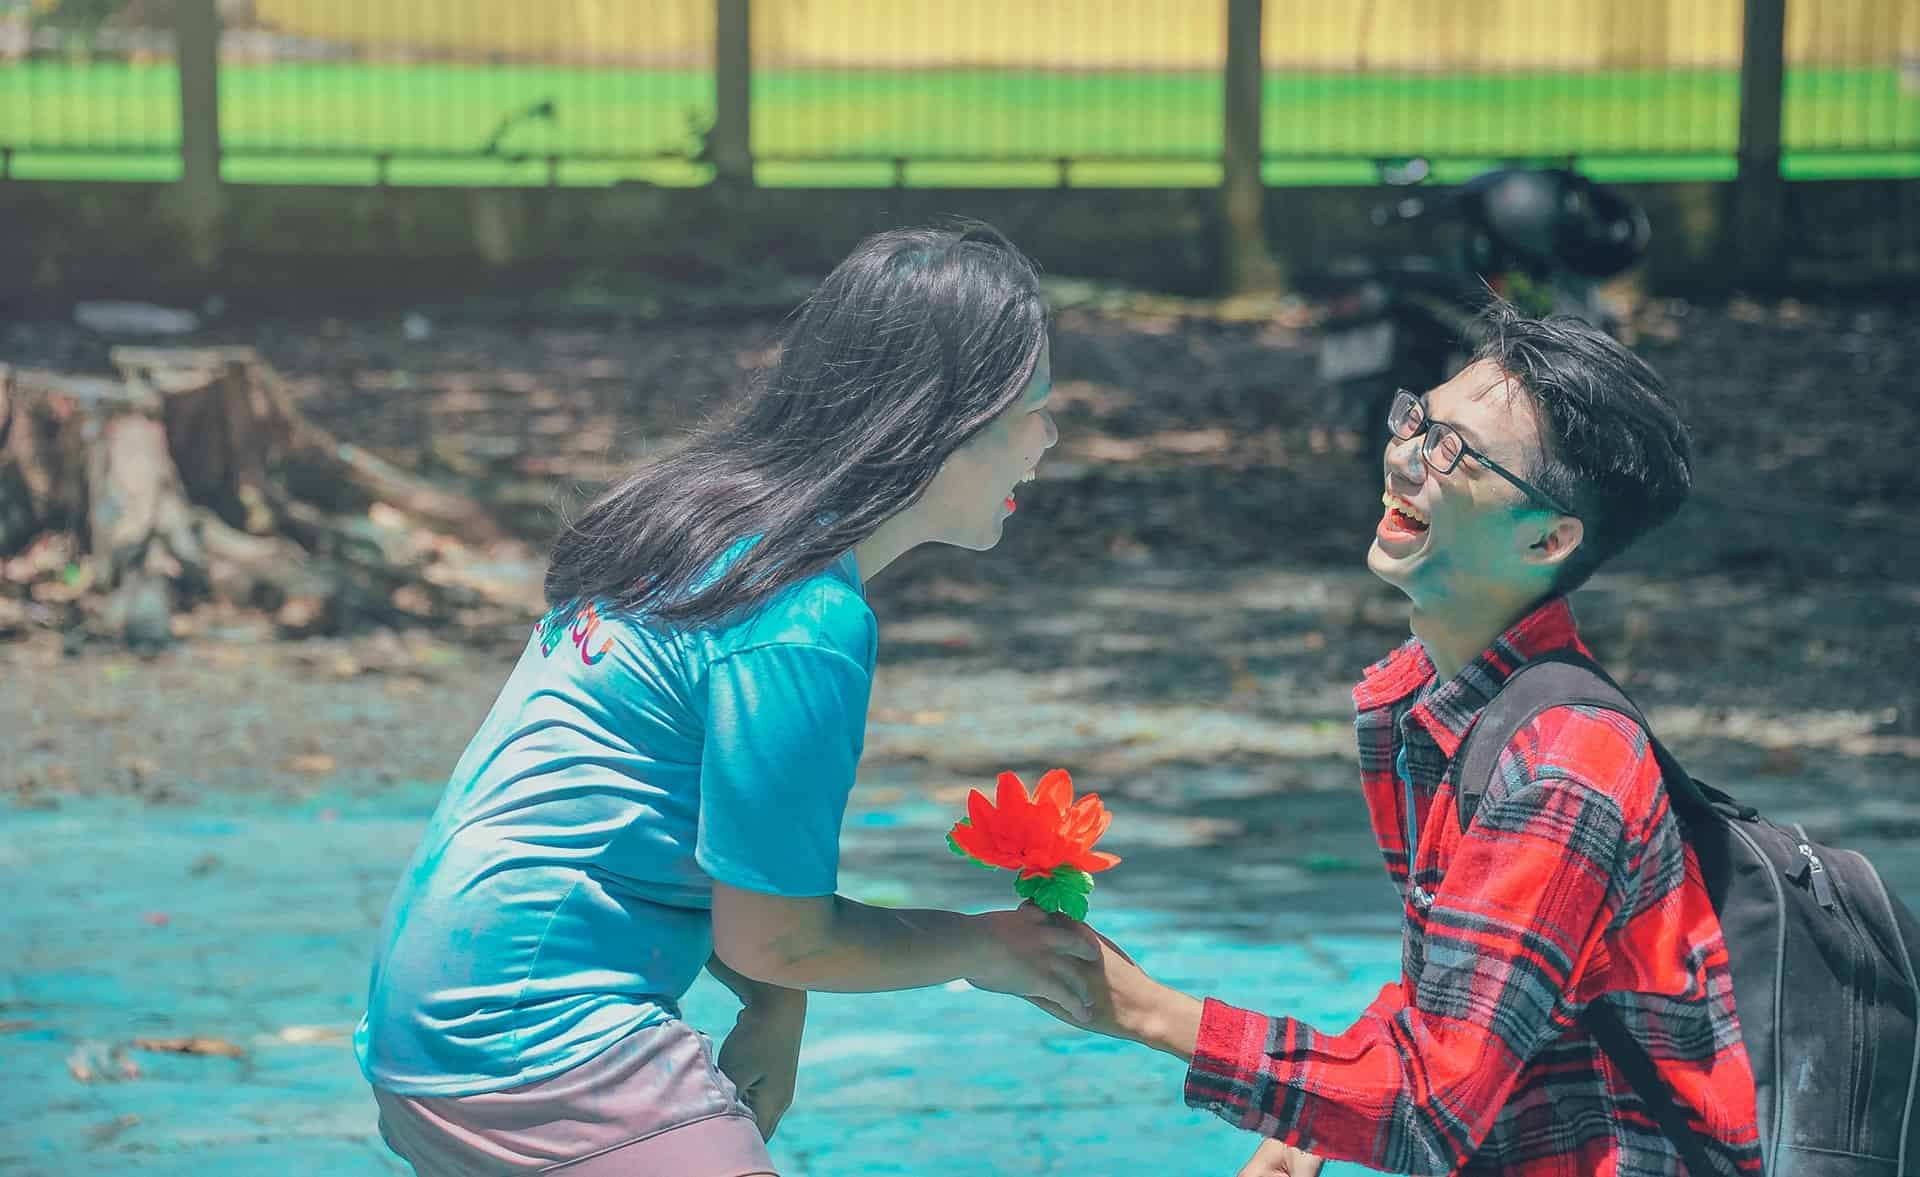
{"x": 1066, "y": 891}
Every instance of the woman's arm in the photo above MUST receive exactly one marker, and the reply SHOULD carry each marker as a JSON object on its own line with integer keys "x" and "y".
{"x": 750, "y": 991}
{"x": 761, "y": 1053}
{"x": 833, "y": 944}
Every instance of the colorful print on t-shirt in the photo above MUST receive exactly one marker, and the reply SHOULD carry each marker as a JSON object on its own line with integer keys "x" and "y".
{"x": 585, "y": 622}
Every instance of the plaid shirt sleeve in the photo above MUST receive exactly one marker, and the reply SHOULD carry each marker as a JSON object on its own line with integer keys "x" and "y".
{"x": 1531, "y": 888}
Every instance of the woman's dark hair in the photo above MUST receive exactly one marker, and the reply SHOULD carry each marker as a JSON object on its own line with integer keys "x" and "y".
{"x": 1614, "y": 446}
{"x": 914, "y": 343}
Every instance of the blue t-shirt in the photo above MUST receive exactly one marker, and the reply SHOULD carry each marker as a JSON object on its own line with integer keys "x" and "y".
{"x": 561, "y": 897}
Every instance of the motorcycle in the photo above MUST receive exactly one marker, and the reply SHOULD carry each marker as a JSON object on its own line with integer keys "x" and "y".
{"x": 1540, "y": 238}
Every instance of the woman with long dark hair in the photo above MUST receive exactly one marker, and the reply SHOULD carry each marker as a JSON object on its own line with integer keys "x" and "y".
{"x": 659, "y": 787}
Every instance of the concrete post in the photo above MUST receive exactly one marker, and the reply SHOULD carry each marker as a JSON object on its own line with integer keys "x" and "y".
{"x": 730, "y": 145}
{"x": 1755, "y": 242}
{"x": 197, "y": 50}
{"x": 1250, "y": 267}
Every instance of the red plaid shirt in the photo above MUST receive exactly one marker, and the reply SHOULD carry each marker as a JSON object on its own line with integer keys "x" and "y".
{"x": 1574, "y": 882}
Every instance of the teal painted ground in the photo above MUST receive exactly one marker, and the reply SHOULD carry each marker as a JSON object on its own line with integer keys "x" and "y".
{"x": 252, "y": 922}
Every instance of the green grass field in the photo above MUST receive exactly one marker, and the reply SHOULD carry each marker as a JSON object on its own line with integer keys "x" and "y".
{"x": 326, "y": 123}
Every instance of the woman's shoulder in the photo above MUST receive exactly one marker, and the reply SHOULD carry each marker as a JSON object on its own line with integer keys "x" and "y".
{"x": 828, "y": 609}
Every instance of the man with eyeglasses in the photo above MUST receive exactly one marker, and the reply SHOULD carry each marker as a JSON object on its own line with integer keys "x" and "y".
{"x": 1505, "y": 488}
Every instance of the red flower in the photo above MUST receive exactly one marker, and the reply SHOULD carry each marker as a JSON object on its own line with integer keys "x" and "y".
{"x": 1035, "y": 835}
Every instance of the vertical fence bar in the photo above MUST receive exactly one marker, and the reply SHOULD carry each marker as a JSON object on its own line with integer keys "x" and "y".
{"x": 1250, "y": 265}
{"x": 197, "y": 50}
{"x": 730, "y": 145}
{"x": 1757, "y": 230}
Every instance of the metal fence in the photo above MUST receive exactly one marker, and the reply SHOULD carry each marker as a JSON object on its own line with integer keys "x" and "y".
{"x": 927, "y": 92}
{"x": 1852, "y": 101}
{"x": 86, "y": 97}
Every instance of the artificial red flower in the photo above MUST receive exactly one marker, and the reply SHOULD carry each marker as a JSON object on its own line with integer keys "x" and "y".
{"x": 1035, "y": 835}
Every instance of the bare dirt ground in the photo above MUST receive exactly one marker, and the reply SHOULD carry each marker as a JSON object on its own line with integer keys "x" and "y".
{"x": 1177, "y": 610}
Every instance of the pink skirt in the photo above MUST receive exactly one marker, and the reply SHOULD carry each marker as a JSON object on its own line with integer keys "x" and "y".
{"x": 652, "y": 1103}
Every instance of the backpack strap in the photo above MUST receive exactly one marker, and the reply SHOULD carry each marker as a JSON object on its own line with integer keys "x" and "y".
{"x": 1619, "y": 1044}
{"x": 1564, "y": 678}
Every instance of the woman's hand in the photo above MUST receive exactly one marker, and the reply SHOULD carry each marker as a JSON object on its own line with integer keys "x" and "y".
{"x": 1127, "y": 1003}
{"x": 762, "y": 1054}
{"x": 1027, "y": 953}
{"x": 1274, "y": 1159}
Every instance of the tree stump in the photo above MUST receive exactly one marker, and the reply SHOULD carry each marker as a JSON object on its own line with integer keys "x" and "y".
{"x": 194, "y": 477}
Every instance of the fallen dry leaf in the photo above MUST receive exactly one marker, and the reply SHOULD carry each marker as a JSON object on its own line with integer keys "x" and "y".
{"x": 104, "y": 1133}
{"x": 383, "y": 515}
{"x": 194, "y": 1045}
{"x": 94, "y": 1060}
{"x": 311, "y": 1035}
{"x": 309, "y": 763}
{"x": 98, "y": 713}
{"x": 300, "y": 613}
{"x": 411, "y": 598}
{"x": 1782, "y": 761}
{"x": 914, "y": 718}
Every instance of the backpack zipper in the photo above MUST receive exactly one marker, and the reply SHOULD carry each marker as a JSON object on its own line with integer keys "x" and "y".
{"x": 1813, "y": 873}
{"x": 1865, "y": 987}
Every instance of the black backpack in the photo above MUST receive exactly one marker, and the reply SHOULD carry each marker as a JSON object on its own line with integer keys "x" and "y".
{"x": 1822, "y": 958}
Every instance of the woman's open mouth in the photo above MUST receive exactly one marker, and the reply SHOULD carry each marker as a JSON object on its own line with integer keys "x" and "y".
{"x": 1029, "y": 476}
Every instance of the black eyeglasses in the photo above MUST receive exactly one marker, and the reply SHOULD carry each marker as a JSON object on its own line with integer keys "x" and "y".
{"x": 1444, "y": 447}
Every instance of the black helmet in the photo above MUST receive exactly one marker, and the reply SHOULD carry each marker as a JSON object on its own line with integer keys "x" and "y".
{"x": 1560, "y": 219}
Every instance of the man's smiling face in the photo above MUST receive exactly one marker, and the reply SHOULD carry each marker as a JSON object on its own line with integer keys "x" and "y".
{"x": 1448, "y": 540}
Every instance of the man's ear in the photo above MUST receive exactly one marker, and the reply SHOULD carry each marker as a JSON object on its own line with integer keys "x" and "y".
{"x": 1552, "y": 547}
